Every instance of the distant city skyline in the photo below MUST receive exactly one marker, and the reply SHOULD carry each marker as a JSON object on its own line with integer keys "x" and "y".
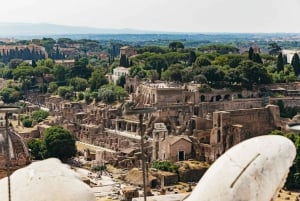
{"x": 240, "y": 16}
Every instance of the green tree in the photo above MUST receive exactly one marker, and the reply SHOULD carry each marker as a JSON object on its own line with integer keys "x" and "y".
{"x": 97, "y": 80}
{"x": 48, "y": 43}
{"x": 39, "y": 115}
{"x": 24, "y": 74}
{"x": 256, "y": 58}
{"x": 234, "y": 60}
{"x": 250, "y": 53}
{"x": 6, "y": 73}
{"x": 213, "y": 74}
{"x": 202, "y": 61}
{"x": 165, "y": 166}
{"x": 204, "y": 88}
{"x": 36, "y": 149}
{"x": 80, "y": 68}
{"x": 219, "y": 48}
{"x": 14, "y": 63}
{"x": 60, "y": 73}
{"x": 120, "y": 92}
{"x": 121, "y": 81}
{"x": 174, "y": 73}
{"x": 78, "y": 84}
{"x": 156, "y": 62}
{"x": 221, "y": 60}
{"x": 52, "y": 87}
{"x": 59, "y": 143}
{"x": 65, "y": 92}
{"x": 107, "y": 95}
{"x": 200, "y": 79}
{"x": 173, "y": 46}
{"x": 296, "y": 64}
{"x": 187, "y": 74}
{"x": 233, "y": 76}
{"x": 280, "y": 63}
{"x": 124, "y": 61}
{"x": 41, "y": 71}
{"x": 27, "y": 123}
{"x": 253, "y": 73}
{"x": 152, "y": 75}
{"x": 80, "y": 96}
{"x": 192, "y": 58}
{"x": 274, "y": 48}
{"x": 10, "y": 95}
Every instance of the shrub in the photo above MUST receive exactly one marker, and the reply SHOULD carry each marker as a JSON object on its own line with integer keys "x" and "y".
{"x": 165, "y": 166}
{"x": 99, "y": 168}
{"x": 39, "y": 115}
{"x": 80, "y": 96}
{"x": 204, "y": 88}
{"x": 27, "y": 123}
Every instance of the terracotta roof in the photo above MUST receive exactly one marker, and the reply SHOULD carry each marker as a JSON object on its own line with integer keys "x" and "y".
{"x": 172, "y": 139}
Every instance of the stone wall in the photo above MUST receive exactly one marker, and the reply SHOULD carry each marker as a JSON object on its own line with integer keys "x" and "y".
{"x": 288, "y": 102}
{"x": 210, "y": 107}
{"x": 232, "y": 127}
{"x": 192, "y": 175}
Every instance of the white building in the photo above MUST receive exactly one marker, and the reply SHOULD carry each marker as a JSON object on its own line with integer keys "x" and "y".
{"x": 289, "y": 54}
{"x": 118, "y": 72}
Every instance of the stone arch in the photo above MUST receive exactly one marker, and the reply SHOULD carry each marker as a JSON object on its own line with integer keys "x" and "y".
{"x": 227, "y": 97}
{"x": 154, "y": 183}
{"x": 218, "y": 97}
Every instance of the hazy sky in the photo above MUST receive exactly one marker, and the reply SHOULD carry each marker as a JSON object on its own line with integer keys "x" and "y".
{"x": 160, "y": 15}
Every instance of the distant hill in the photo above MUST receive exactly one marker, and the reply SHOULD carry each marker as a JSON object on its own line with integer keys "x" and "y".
{"x": 28, "y": 29}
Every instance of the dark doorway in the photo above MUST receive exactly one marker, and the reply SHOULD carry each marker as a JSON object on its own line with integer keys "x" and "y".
{"x": 181, "y": 155}
{"x": 154, "y": 183}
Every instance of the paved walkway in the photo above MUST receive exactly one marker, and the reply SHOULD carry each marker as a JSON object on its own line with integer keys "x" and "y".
{"x": 82, "y": 146}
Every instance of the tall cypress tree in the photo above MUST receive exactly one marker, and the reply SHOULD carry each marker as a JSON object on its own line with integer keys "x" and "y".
{"x": 280, "y": 62}
{"x": 123, "y": 61}
{"x": 192, "y": 58}
{"x": 296, "y": 64}
{"x": 250, "y": 53}
{"x": 256, "y": 58}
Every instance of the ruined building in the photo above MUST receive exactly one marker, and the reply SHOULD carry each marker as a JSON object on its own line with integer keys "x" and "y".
{"x": 186, "y": 123}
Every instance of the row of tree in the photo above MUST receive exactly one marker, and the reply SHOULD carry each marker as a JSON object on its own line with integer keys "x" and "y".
{"x": 25, "y": 54}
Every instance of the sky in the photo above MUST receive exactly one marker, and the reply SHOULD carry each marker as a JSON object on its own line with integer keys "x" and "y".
{"x": 160, "y": 15}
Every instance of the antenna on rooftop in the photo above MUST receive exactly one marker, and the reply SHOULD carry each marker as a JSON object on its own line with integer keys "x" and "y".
{"x": 130, "y": 109}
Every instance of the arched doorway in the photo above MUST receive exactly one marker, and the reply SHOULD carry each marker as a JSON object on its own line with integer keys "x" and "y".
{"x": 218, "y": 97}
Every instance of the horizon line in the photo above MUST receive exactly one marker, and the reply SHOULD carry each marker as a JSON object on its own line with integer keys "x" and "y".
{"x": 137, "y": 30}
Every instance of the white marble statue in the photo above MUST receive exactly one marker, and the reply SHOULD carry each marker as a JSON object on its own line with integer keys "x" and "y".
{"x": 47, "y": 180}
{"x": 253, "y": 170}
